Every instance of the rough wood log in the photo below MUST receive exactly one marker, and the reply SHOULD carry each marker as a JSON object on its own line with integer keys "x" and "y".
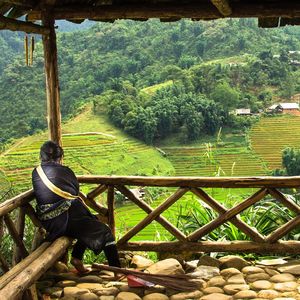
{"x": 223, "y": 7}
{"x": 286, "y": 202}
{"x": 52, "y": 82}
{"x": 20, "y": 226}
{"x": 227, "y": 216}
{"x": 251, "y": 232}
{"x": 222, "y": 182}
{"x": 15, "y": 235}
{"x": 22, "y": 3}
{"x": 153, "y": 215}
{"x": 111, "y": 209}
{"x": 148, "y": 209}
{"x": 283, "y": 230}
{"x": 4, "y": 264}
{"x": 7, "y": 277}
{"x": 97, "y": 191}
{"x": 29, "y": 210}
{"x": 94, "y": 205}
{"x": 16, "y": 25}
{"x": 32, "y": 272}
{"x": 284, "y": 247}
{"x": 242, "y": 9}
{"x": 20, "y": 200}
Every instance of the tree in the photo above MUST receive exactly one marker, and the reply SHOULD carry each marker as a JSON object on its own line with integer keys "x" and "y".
{"x": 225, "y": 95}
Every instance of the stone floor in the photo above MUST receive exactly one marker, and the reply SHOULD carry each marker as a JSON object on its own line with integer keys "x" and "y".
{"x": 230, "y": 277}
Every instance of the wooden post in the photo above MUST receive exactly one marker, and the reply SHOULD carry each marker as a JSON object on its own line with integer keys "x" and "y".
{"x": 20, "y": 225}
{"x": 111, "y": 208}
{"x": 52, "y": 82}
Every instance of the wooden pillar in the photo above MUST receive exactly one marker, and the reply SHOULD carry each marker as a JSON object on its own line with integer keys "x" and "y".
{"x": 111, "y": 209}
{"x": 52, "y": 82}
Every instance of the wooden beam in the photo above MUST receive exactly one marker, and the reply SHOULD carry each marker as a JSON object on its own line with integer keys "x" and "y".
{"x": 19, "y": 200}
{"x": 52, "y": 81}
{"x": 28, "y": 275}
{"x": 20, "y": 226}
{"x": 22, "y": 3}
{"x": 284, "y": 247}
{"x": 241, "y": 9}
{"x": 148, "y": 209}
{"x": 223, "y": 7}
{"x": 16, "y": 25}
{"x": 222, "y": 182}
{"x": 111, "y": 209}
{"x": 153, "y": 215}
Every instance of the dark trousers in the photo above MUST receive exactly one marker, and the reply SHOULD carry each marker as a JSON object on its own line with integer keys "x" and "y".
{"x": 110, "y": 252}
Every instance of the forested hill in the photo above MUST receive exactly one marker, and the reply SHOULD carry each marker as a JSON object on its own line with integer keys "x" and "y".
{"x": 141, "y": 53}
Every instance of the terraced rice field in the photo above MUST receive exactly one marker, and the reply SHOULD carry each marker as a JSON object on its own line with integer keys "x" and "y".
{"x": 101, "y": 152}
{"x": 226, "y": 160}
{"x": 272, "y": 134}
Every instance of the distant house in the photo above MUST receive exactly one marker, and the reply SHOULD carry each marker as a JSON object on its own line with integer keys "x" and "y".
{"x": 285, "y": 108}
{"x": 243, "y": 112}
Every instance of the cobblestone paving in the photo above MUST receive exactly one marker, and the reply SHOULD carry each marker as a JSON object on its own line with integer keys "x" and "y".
{"x": 224, "y": 279}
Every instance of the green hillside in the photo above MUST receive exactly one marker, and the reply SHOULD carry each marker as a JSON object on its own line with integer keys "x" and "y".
{"x": 92, "y": 146}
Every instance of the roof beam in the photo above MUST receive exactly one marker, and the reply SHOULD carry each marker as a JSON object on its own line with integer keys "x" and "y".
{"x": 16, "y": 25}
{"x": 223, "y": 7}
{"x": 242, "y": 9}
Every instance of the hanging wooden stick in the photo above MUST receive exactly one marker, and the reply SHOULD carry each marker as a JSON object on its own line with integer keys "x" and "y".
{"x": 26, "y": 49}
{"x": 31, "y": 50}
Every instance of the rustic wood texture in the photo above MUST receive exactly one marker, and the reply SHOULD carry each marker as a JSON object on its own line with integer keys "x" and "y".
{"x": 29, "y": 274}
{"x": 223, "y": 182}
{"x": 240, "y": 9}
{"x": 283, "y": 247}
{"x": 223, "y": 7}
{"x": 29, "y": 210}
{"x": 16, "y": 25}
{"x": 227, "y": 215}
{"x": 4, "y": 264}
{"x": 153, "y": 215}
{"x": 17, "y": 201}
{"x": 94, "y": 205}
{"x": 111, "y": 209}
{"x": 286, "y": 202}
{"x": 52, "y": 82}
{"x": 15, "y": 235}
{"x": 20, "y": 226}
{"x": 97, "y": 191}
{"x": 283, "y": 230}
{"x": 148, "y": 209}
{"x": 7, "y": 277}
{"x": 251, "y": 232}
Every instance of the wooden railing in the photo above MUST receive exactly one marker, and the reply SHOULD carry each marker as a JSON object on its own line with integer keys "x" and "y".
{"x": 258, "y": 243}
{"x": 14, "y": 211}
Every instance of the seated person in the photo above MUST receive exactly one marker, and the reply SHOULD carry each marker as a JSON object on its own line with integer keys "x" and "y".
{"x": 62, "y": 212}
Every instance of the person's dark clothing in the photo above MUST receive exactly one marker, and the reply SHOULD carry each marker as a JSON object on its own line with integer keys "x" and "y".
{"x": 70, "y": 217}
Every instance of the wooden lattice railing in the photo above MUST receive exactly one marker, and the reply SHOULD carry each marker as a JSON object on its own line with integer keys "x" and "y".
{"x": 258, "y": 243}
{"x": 14, "y": 211}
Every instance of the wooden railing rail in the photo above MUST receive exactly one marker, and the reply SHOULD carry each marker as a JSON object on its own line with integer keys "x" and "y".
{"x": 258, "y": 243}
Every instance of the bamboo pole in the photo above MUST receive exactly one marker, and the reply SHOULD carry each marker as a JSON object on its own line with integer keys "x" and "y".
{"x": 32, "y": 272}
{"x": 153, "y": 215}
{"x": 222, "y": 182}
{"x": 111, "y": 209}
{"x": 227, "y": 216}
{"x": 52, "y": 81}
{"x": 252, "y": 233}
{"x": 148, "y": 209}
{"x": 15, "y": 235}
{"x": 223, "y": 7}
{"x": 284, "y": 247}
{"x": 19, "y": 200}
{"x": 20, "y": 225}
